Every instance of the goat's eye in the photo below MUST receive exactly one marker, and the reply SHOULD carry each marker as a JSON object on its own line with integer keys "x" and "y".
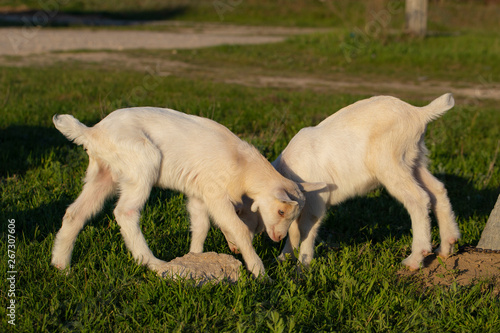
{"x": 282, "y": 213}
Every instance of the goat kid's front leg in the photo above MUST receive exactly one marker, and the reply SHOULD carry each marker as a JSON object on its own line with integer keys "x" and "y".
{"x": 306, "y": 253}
{"x": 292, "y": 242}
{"x": 225, "y": 217}
{"x": 304, "y": 230}
{"x": 200, "y": 224}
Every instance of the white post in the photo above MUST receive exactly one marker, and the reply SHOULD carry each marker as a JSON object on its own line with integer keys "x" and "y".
{"x": 416, "y": 17}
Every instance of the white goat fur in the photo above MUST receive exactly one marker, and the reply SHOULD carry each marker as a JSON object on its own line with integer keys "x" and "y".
{"x": 376, "y": 141}
{"x": 132, "y": 150}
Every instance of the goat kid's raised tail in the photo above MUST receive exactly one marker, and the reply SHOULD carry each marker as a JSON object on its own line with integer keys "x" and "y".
{"x": 438, "y": 107}
{"x": 71, "y": 127}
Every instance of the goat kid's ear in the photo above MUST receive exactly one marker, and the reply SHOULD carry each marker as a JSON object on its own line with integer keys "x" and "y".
{"x": 284, "y": 198}
{"x": 311, "y": 187}
{"x": 255, "y": 207}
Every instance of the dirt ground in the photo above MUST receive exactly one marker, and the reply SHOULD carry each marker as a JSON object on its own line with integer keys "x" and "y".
{"x": 464, "y": 268}
{"x": 30, "y": 45}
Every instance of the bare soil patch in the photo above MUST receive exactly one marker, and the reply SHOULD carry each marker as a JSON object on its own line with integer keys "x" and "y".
{"x": 464, "y": 268}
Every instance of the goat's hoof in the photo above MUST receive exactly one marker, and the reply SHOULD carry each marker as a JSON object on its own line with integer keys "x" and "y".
{"x": 60, "y": 265}
{"x": 284, "y": 257}
{"x": 444, "y": 252}
{"x": 411, "y": 264}
{"x": 64, "y": 270}
{"x": 412, "y": 268}
{"x": 446, "y": 249}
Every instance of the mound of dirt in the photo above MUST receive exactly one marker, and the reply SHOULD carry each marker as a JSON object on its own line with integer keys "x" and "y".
{"x": 203, "y": 267}
{"x": 465, "y": 268}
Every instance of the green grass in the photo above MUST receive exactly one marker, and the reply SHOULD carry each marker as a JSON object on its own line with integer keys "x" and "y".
{"x": 469, "y": 58}
{"x": 351, "y": 289}
{"x": 351, "y": 286}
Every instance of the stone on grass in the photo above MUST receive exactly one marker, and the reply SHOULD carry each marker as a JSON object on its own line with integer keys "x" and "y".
{"x": 203, "y": 267}
{"x": 490, "y": 238}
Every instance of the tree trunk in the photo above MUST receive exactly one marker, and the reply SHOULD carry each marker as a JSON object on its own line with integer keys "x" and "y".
{"x": 416, "y": 17}
{"x": 490, "y": 238}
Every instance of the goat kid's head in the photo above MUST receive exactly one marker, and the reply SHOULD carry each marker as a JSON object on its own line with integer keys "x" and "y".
{"x": 280, "y": 207}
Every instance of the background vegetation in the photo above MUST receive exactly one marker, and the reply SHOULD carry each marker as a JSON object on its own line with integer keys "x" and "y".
{"x": 445, "y": 15}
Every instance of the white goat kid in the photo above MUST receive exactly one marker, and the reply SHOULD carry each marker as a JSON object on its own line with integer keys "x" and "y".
{"x": 132, "y": 150}
{"x": 377, "y": 141}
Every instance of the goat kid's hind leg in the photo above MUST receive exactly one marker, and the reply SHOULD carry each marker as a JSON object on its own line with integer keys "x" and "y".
{"x": 127, "y": 213}
{"x": 98, "y": 187}
{"x": 404, "y": 187}
{"x": 200, "y": 224}
{"x": 441, "y": 206}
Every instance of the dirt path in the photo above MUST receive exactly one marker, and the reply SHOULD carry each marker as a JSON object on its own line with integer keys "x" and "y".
{"x": 13, "y": 42}
{"x": 35, "y": 40}
{"x": 37, "y": 45}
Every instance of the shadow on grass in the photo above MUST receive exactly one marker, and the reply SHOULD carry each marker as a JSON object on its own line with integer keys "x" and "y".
{"x": 63, "y": 18}
{"x": 38, "y": 224}
{"x": 377, "y": 217}
{"x": 24, "y": 146}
